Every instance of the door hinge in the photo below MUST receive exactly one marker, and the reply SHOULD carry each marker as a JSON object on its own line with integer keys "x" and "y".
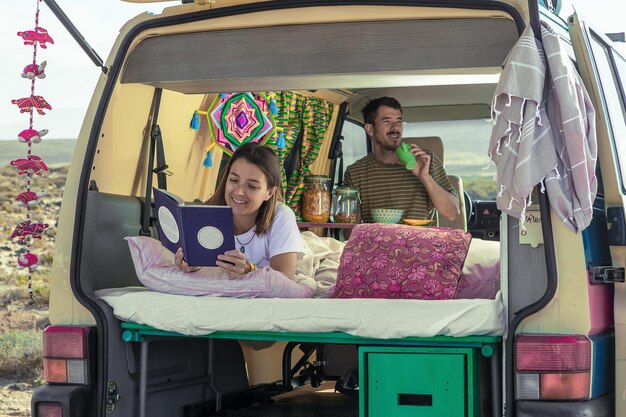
{"x": 112, "y": 396}
{"x": 605, "y": 274}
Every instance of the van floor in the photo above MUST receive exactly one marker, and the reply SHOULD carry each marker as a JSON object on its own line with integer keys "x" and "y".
{"x": 304, "y": 402}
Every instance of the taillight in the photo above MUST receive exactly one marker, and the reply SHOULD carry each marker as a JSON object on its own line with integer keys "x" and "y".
{"x": 66, "y": 351}
{"x": 49, "y": 410}
{"x": 553, "y": 367}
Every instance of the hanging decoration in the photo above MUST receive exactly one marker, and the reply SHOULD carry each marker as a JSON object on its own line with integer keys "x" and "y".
{"x": 237, "y": 118}
{"x": 30, "y": 165}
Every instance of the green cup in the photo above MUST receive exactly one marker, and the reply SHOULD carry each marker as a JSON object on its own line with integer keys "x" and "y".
{"x": 405, "y": 156}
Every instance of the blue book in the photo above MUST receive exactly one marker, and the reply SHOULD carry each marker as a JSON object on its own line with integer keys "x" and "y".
{"x": 202, "y": 231}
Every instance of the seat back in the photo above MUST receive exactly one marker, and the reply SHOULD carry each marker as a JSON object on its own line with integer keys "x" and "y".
{"x": 461, "y": 220}
{"x": 435, "y": 145}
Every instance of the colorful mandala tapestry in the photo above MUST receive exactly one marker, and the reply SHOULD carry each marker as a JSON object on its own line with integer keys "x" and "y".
{"x": 235, "y": 119}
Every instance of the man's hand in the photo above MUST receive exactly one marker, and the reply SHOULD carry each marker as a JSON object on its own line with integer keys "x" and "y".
{"x": 446, "y": 203}
{"x": 422, "y": 169}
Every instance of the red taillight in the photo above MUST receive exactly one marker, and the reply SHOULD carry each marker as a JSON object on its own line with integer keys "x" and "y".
{"x": 66, "y": 351}
{"x": 49, "y": 410}
{"x": 553, "y": 353}
{"x": 553, "y": 367}
{"x": 65, "y": 342}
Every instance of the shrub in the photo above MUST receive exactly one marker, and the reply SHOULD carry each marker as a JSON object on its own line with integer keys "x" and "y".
{"x": 11, "y": 294}
{"x": 22, "y": 354}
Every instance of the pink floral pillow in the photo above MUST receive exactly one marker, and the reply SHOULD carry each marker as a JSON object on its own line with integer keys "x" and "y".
{"x": 398, "y": 261}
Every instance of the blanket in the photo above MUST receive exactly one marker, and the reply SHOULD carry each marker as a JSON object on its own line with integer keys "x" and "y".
{"x": 544, "y": 131}
{"x": 320, "y": 260}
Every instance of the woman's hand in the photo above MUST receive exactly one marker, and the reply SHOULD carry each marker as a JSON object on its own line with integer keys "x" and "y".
{"x": 233, "y": 262}
{"x": 179, "y": 260}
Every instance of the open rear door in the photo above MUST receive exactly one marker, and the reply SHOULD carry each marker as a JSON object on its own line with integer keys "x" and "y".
{"x": 604, "y": 73}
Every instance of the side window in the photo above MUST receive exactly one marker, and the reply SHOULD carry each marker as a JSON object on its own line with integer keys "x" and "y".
{"x": 354, "y": 142}
{"x": 612, "y": 81}
{"x": 466, "y": 145}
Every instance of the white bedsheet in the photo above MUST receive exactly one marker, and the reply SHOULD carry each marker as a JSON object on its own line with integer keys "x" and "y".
{"x": 369, "y": 318}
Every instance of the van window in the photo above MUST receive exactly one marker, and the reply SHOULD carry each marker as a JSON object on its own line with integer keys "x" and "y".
{"x": 466, "y": 145}
{"x": 354, "y": 143}
{"x": 615, "y": 104}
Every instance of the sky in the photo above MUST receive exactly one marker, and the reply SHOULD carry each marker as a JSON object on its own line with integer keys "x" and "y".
{"x": 71, "y": 76}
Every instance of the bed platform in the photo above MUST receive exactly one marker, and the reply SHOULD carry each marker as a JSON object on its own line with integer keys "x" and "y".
{"x": 398, "y": 340}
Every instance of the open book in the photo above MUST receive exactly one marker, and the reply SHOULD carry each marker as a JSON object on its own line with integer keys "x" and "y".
{"x": 202, "y": 231}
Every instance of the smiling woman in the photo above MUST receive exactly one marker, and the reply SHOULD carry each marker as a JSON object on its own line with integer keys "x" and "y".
{"x": 265, "y": 228}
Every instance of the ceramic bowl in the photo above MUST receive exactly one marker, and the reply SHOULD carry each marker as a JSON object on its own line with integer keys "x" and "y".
{"x": 387, "y": 215}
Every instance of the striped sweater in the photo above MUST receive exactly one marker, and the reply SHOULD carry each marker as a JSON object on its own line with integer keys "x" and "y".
{"x": 393, "y": 186}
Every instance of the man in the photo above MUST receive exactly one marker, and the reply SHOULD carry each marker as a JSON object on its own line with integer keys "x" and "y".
{"x": 384, "y": 183}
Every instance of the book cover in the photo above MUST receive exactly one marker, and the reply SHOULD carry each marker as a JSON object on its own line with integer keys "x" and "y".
{"x": 202, "y": 231}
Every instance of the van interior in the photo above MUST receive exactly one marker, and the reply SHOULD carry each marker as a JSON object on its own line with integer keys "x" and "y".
{"x": 444, "y": 75}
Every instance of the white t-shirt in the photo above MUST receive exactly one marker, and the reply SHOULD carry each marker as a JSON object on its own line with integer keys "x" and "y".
{"x": 283, "y": 236}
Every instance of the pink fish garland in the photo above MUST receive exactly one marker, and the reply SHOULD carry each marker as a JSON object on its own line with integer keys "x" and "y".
{"x": 31, "y": 165}
{"x": 26, "y": 230}
{"x": 31, "y": 71}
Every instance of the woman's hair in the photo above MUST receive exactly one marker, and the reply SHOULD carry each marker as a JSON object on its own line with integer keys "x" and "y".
{"x": 265, "y": 158}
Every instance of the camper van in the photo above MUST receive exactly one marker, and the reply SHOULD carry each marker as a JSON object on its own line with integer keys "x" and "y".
{"x": 543, "y": 335}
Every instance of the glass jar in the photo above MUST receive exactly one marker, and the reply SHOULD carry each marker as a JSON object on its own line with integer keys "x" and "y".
{"x": 316, "y": 199}
{"x": 345, "y": 208}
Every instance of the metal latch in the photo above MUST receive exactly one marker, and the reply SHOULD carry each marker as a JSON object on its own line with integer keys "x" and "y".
{"x": 605, "y": 274}
{"x": 112, "y": 396}
{"x": 617, "y": 228}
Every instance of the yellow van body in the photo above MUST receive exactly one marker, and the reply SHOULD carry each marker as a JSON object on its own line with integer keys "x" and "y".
{"x": 113, "y": 148}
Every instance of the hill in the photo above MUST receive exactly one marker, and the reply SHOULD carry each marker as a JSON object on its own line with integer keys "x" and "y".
{"x": 55, "y": 152}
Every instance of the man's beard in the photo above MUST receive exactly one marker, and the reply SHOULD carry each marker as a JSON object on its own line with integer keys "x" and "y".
{"x": 389, "y": 144}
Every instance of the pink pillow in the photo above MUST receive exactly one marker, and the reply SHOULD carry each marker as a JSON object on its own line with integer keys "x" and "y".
{"x": 398, "y": 261}
{"x": 480, "y": 277}
{"x": 155, "y": 268}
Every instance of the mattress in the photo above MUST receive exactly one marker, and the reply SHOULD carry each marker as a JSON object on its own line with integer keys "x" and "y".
{"x": 368, "y": 318}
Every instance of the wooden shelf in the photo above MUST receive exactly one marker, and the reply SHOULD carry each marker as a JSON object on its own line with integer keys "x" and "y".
{"x": 309, "y": 225}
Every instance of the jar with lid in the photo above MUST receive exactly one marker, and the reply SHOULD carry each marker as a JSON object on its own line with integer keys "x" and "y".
{"x": 316, "y": 199}
{"x": 345, "y": 206}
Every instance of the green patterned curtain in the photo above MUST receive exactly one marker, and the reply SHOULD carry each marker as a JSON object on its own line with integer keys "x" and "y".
{"x": 298, "y": 113}
{"x": 288, "y": 123}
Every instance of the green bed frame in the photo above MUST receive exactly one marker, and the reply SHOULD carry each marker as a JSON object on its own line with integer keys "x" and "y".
{"x": 388, "y": 349}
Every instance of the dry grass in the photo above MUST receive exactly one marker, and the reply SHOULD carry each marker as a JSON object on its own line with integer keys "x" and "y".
{"x": 14, "y": 286}
{"x": 22, "y": 355}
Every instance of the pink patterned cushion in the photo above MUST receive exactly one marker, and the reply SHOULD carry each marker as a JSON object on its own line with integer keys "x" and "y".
{"x": 397, "y": 261}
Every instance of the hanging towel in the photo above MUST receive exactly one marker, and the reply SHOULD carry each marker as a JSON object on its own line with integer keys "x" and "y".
{"x": 544, "y": 131}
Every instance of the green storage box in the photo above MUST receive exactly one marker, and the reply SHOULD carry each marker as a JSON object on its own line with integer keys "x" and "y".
{"x": 418, "y": 382}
